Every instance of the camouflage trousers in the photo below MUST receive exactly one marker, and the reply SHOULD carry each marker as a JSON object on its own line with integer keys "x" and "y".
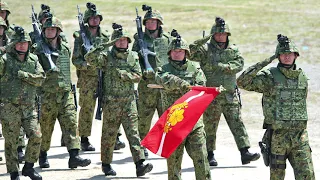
{"x": 59, "y": 105}
{"x": 13, "y": 117}
{"x": 195, "y": 144}
{"x": 21, "y": 137}
{"x": 117, "y": 111}
{"x": 87, "y": 102}
{"x": 149, "y": 100}
{"x": 294, "y": 146}
{"x": 232, "y": 114}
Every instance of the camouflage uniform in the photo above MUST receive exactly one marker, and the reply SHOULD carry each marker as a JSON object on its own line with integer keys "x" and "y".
{"x": 150, "y": 99}
{"x": 121, "y": 71}
{"x": 174, "y": 77}
{"x": 4, "y": 7}
{"x": 220, "y": 66}
{"x": 284, "y": 90}
{"x": 18, "y": 83}
{"x": 58, "y": 99}
{"x": 87, "y": 77}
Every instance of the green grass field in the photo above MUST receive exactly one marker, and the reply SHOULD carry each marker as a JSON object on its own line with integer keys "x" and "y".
{"x": 254, "y": 24}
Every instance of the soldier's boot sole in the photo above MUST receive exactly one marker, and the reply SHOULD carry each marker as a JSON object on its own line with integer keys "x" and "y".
{"x": 141, "y": 171}
{"x": 248, "y": 159}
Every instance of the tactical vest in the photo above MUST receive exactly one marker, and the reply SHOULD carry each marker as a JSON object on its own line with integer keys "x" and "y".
{"x": 57, "y": 81}
{"x": 287, "y": 101}
{"x": 112, "y": 84}
{"x": 13, "y": 89}
{"x": 216, "y": 77}
{"x": 160, "y": 47}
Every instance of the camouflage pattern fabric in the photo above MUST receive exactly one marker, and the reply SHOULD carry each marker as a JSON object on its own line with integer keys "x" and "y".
{"x": 289, "y": 138}
{"x": 19, "y": 111}
{"x": 220, "y": 67}
{"x": 57, "y": 98}
{"x": 87, "y": 79}
{"x": 172, "y": 77}
{"x": 150, "y": 99}
{"x": 121, "y": 71}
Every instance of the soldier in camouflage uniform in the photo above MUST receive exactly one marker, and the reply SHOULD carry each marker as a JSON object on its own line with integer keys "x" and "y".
{"x": 20, "y": 75}
{"x": 57, "y": 98}
{"x": 157, "y": 41}
{"x": 176, "y": 77}
{"x": 121, "y": 70}
{"x": 88, "y": 75}
{"x": 4, "y": 13}
{"x": 284, "y": 90}
{"x": 220, "y": 61}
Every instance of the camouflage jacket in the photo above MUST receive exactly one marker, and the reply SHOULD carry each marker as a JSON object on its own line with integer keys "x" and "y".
{"x": 120, "y": 71}
{"x": 219, "y": 65}
{"x": 20, "y": 79}
{"x": 79, "y": 51}
{"x": 158, "y": 45}
{"x": 58, "y": 79}
{"x": 284, "y": 107}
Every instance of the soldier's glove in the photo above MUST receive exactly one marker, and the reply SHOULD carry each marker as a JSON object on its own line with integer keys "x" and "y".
{"x": 185, "y": 86}
{"x": 148, "y": 74}
{"x": 22, "y": 74}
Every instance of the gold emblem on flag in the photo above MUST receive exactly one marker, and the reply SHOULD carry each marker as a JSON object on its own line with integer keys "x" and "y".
{"x": 175, "y": 115}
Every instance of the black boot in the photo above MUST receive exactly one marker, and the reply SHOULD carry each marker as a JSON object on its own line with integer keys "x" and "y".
{"x": 20, "y": 154}
{"x": 119, "y": 144}
{"x": 28, "y": 170}
{"x": 211, "y": 159}
{"x": 75, "y": 160}
{"x": 247, "y": 157}
{"x": 63, "y": 144}
{"x": 107, "y": 170}
{"x": 85, "y": 145}
{"x": 146, "y": 154}
{"x": 14, "y": 176}
{"x": 43, "y": 160}
{"x": 142, "y": 169}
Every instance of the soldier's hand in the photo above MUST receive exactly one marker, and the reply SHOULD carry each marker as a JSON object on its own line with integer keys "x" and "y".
{"x": 148, "y": 74}
{"x": 123, "y": 75}
{"x": 22, "y": 74}
{"x": 185, "y": 86}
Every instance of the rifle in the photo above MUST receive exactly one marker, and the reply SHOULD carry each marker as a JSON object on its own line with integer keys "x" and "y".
{"x": 37, "y": 33}
{"x": 74, "y": 92}
{"x": 99, "y": 95}
{"x": 143, "y": 46}
{"x": 86, "y": 42}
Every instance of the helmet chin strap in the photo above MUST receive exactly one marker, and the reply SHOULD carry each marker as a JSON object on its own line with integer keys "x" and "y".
{"x": 153, "y": 31}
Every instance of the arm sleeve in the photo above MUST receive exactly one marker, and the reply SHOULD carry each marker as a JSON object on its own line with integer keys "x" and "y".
{"x": 168, "y": 80}
{"x": 35, "y": 79}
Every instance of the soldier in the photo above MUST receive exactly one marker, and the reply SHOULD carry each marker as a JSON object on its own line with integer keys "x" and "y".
{"x": 220, "y": 61}
{"x": 176, "y": 77}
{"x": 121, "y": 70}
{"x": 284, "y": 90}
{"x": 88, "y": 75}
{"x": 20, "y": 75}
{"x": 4, "y": 13}
{"x": 157, "y": 41}
{"x": 57, "y": 98}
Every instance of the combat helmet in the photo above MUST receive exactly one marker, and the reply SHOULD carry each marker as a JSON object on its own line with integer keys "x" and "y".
{"x": 285, "y": 45}
{"x": 151, "y": 14}
{"x": 118, "y": 33}
{"x": 52, "y": 21}
{"x": 178, "y": 43}
{"x": 20, "y": 35}
{"x": 220, "y": 26}
{"x": 43, "y": 13}
{"x": 91, "y": 11}
{"x": 4, "y": 7}
{"x": 3, "y": 23}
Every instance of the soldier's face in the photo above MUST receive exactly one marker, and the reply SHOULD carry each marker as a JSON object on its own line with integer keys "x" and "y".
{"x": 152, "y": 24}
{"x": 288, "y": 58}
{"x": 178, "y": 54}
{"x": 1, "y": 30}
{"x": 220, "y": 37}
{"x": 50, "y": 32}
{"x": 94, "y": 21}
{"x": 122, "y": 43}
{"x": 22, "y": 46}
{"x": 3, "y": 14}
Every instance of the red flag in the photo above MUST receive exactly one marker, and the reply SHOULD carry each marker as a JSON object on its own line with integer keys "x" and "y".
{"x": 177, "y": 121}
